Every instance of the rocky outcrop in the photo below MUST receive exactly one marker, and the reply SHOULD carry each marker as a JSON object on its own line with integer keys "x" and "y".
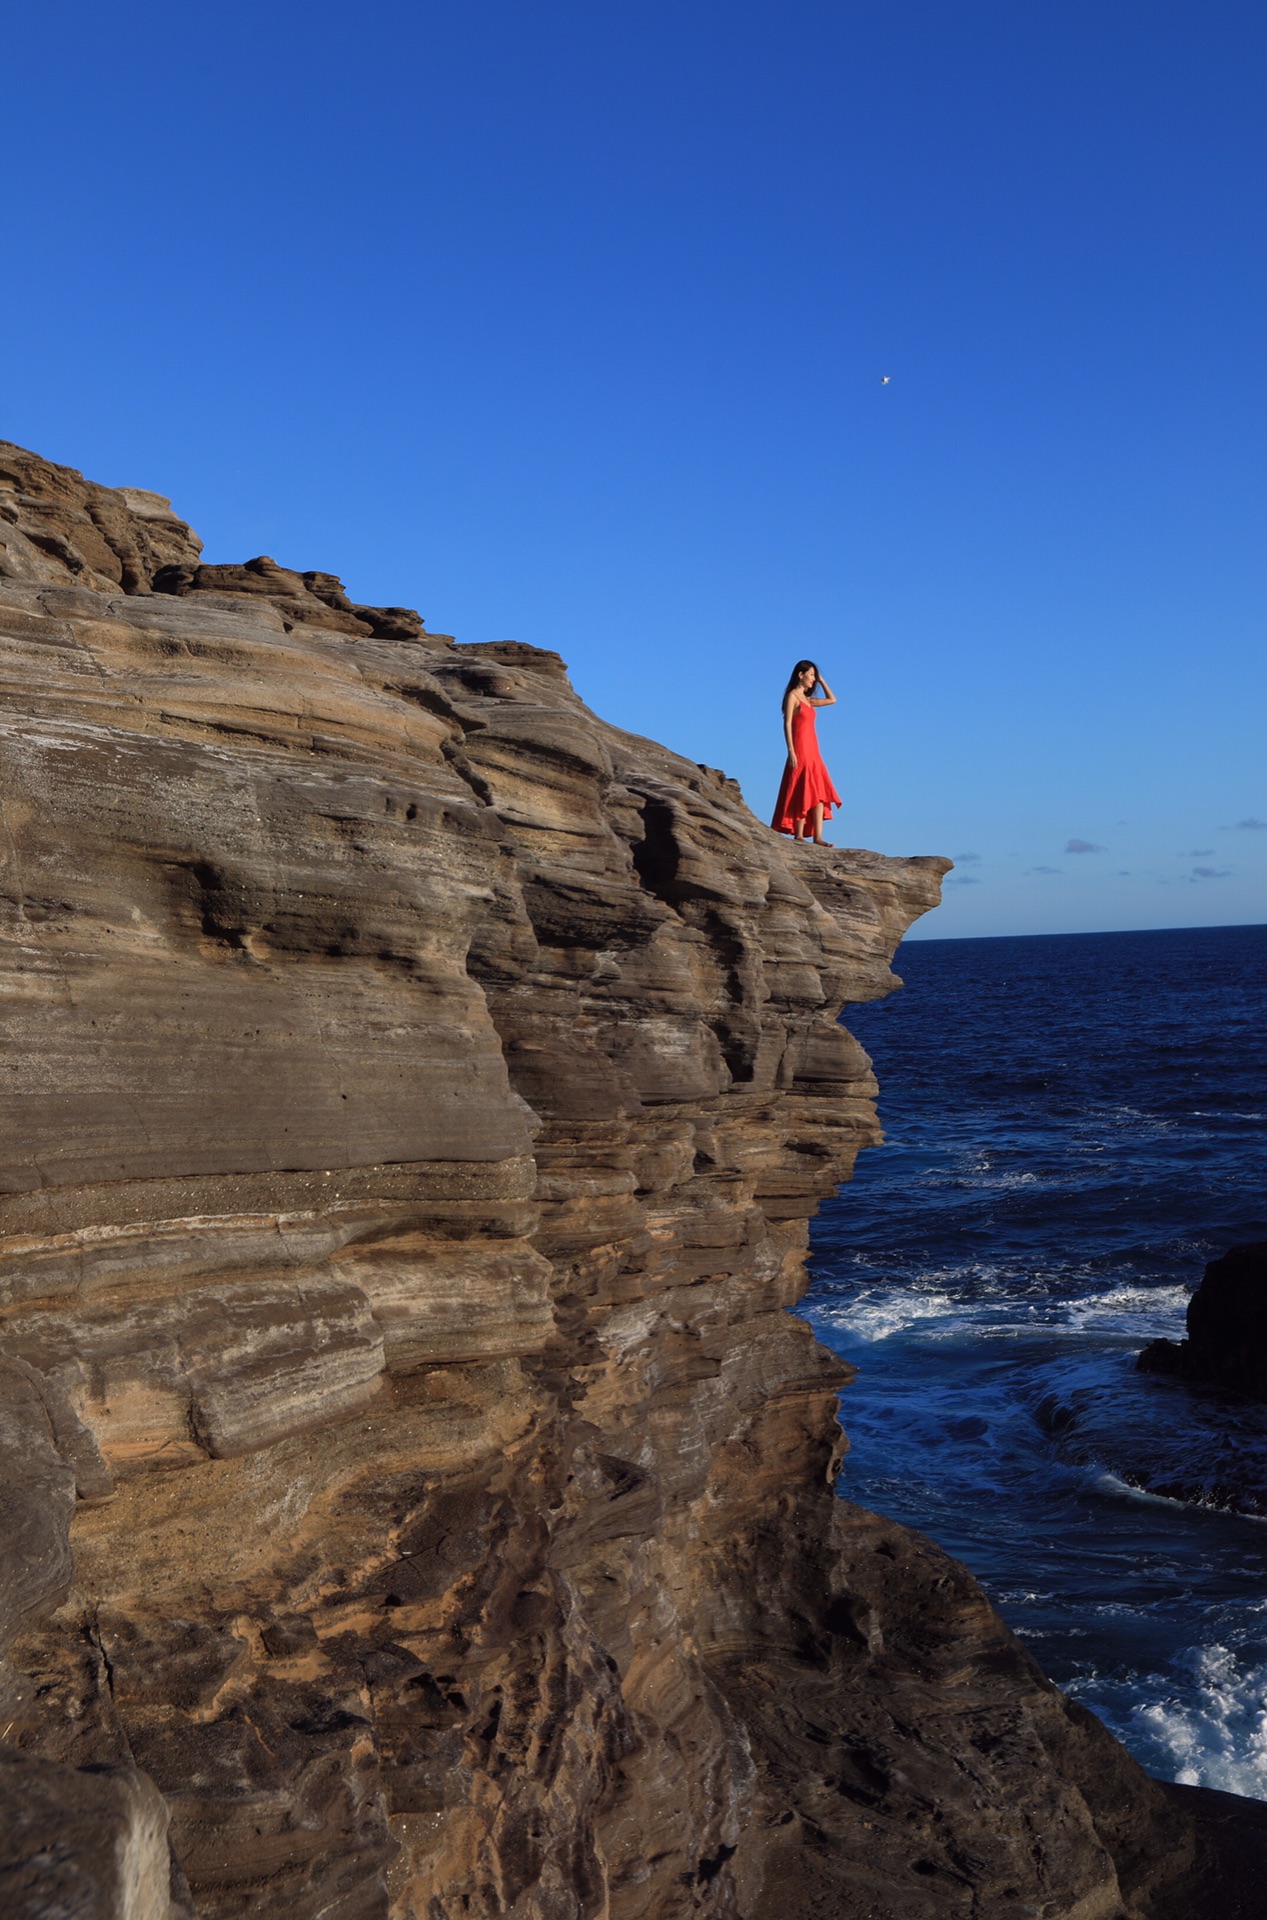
{"x": 1227, "y": 1328}
{"x": 417, "y": 1496}
{"x": 1209, "y": 1444}
{"x": 55, "y": 526}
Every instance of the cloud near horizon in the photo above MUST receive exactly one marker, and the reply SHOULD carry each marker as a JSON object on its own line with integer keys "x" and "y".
{"x": 1084, "y": 846}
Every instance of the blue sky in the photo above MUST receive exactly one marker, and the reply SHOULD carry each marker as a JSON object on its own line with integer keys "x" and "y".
{"x": 568, "y": 323}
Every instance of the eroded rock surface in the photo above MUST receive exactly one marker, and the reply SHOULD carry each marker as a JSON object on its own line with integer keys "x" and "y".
{"x": 415, "y": 1093}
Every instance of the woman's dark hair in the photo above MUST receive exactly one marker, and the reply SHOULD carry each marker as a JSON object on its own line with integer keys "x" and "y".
{"x": 797, "y": 671}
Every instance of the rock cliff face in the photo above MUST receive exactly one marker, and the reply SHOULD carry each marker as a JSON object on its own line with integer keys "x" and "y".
{"x": 416, "y": 1497}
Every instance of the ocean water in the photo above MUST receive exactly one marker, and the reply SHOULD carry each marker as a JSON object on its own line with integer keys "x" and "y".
{"x": 1075, "y": 1124}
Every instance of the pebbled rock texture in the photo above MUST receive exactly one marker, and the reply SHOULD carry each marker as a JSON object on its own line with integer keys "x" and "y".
{"x": 417, "y": 1495}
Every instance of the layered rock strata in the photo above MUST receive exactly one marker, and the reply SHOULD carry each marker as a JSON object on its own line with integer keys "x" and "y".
{"x": 416, "y": 1494}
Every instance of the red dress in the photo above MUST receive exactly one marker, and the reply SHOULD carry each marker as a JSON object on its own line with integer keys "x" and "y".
{"x": 809, "y": 781}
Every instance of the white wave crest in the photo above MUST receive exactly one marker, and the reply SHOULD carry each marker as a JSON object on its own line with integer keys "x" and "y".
{"x": 989, "y": 1303}
{"x": 875, "y": 1315}
{"x": 1141, "y": 1311}
{"x": 1215, "y": 1730}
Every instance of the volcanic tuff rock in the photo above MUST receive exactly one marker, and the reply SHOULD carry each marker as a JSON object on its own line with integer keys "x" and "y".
{"x": 416, "y": 1496}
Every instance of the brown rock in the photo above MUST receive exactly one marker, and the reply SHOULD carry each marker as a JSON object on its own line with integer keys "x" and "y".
{"x": 415, "y": 1093}
{"x": 57, "y": 526}
{"x": 37, "y": 1500}
{"x": 87, "y": 1842}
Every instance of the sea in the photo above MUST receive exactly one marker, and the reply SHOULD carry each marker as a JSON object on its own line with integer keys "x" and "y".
{"x": 1075, "y": 1124}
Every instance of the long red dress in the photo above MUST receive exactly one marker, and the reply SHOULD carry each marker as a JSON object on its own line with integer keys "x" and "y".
{"x": 809, "y": 782}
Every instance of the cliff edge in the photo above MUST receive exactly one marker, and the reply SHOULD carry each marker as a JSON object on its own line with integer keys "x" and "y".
{"x": 416, "y": 1497}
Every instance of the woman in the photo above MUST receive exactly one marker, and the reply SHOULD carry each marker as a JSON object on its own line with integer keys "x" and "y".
{"x": 807, "y": 795}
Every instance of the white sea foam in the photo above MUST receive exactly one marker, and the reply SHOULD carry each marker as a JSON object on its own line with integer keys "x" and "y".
{"x": 983, "y": 1176}
{"x": 876, "y": 1314}
{"x": 986, "y": 1302}
{"x": 1133, "y": 1117}
{"x": 975, "y": 1173}
{"x": 1141, "y": 1311}
{"x": 1214, "y": 1727}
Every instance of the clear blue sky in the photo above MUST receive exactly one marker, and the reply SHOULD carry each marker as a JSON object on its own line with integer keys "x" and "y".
{"x": 567, "y": 322}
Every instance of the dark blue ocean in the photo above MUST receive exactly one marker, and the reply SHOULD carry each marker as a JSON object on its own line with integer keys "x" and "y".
{"x": 1075, "y": 1124}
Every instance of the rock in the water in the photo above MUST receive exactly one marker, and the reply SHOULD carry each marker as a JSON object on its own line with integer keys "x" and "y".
{"x": 1227, "y": 1327}
{"x": 413, "y": 1095}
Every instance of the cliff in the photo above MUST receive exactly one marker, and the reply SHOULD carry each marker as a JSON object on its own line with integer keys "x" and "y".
{"x": 416, "y": 1494}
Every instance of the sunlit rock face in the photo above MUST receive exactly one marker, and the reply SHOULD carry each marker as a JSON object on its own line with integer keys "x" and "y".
{"x": 416, "y": 1495}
